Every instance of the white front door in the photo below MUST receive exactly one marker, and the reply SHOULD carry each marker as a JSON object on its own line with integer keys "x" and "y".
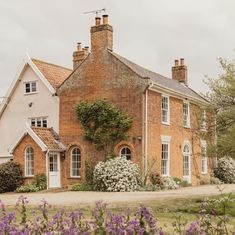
{"x": 54, "y": 170}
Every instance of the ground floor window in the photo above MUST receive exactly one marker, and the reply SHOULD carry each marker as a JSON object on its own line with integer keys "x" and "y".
{"x": 204, "y": 160}
{"x": 125, "y": 152}
{"x": 75, "y": 162}
{"x": 186, "y": 161}
{"x": 165, "y": 159}
{"x": 29, "y": 161}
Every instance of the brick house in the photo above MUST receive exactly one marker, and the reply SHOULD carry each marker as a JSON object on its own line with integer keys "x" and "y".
{"x": 165, "y": 114}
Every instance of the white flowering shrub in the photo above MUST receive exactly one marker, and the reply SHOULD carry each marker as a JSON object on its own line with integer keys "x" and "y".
{"x": 169, "y": 183}
{"x": 225, "y": 170}
{"x": 117, "y": 175}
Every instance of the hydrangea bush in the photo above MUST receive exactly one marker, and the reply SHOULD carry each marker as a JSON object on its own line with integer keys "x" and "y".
{"x": 117, "y": 175}
{"x": 225, "y": 170}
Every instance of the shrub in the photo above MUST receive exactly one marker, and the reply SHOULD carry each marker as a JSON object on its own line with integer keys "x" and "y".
{"x": 155, "y": 179}
{"x": 28, "y": 188}
{"x": 178, "y": 181}
{"x": 40, "y": 181}
{"x": 205, "y": 180}
{"x": 89, "y": 169}
{"x": 116, "y": 175}
{"x": 10, "y": 176}
{"x": 82, "y": 187}
{"x": 169, "y": 183}
{"x": 185, "y": 183}
{"x": 225, "y": 170}
{"x": 214, "y": 180}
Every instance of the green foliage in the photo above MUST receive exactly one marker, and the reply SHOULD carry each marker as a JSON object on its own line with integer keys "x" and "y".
{"x": 89, "y": 168}
{"x": 222, "y": 97}
{"x": 40, "y": 181}
{"x": 104, "y": 124}
{"x": 10, "y": 176}
{"x": 82, "y": 187}
{"x": 28, "y": 188}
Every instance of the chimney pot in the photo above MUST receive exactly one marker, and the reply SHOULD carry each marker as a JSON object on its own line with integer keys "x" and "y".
{"x": 97, "y": 21}
{"x": 86, "y": 48}
{"x": 176, "y": 62}
{"x": 79, "y": 46}
{"x": 182, "y": 61}
{"x": 105, "y": 19}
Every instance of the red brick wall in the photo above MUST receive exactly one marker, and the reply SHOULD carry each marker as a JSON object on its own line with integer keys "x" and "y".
{"x": 39, "y": 156}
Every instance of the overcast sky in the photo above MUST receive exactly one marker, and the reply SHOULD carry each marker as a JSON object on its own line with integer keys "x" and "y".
{"x": 151, "y": 33}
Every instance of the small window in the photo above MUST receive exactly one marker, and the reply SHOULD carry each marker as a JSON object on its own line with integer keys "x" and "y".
{"x": 186, "y": 115}
{"x": 30, "y": 87}
{"x": 203, "y": 120}
{"x": 38, "y": 122}
{"x": 125, "y": 152}
{"x": 165, "y": 159}
{"x": 29, "y": 161}
{"x": 165, "y": 110}
{"x": 204, "y": 160}
{"x": 75, "y": 162}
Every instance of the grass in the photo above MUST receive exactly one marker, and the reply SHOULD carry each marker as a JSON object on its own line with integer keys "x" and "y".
{"x": 166, "y": 211}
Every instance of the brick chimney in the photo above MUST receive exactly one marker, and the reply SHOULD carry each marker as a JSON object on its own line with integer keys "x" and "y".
{"x": 79, "y": 55}
{"x": 101, "y": 35}
{"x": 180, "y": 72}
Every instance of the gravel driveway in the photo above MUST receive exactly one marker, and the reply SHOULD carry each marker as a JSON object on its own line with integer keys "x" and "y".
{"x": 68, "y": 198}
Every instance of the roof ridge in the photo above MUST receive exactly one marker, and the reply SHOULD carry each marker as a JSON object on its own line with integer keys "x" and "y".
{"x": 56, "y": 65}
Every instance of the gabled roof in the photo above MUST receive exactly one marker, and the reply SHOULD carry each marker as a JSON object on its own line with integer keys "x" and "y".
{"x": 55, "y": 74}
{"x": 46, "y": 138}
{"x": 51, "y": 75}
{"x": 160, "y": 80}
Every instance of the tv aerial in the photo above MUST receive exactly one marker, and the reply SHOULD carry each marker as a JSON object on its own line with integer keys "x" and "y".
{"x": 97, "y": 12}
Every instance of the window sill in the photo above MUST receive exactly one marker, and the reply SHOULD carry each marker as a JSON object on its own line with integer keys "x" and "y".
{"x": 166, "y": 123}
{"x": 204, "y": 173}
{"x": 74, "y": 177}
{"x": 187, "y": 127}
{"x": 28, "y": 176}
{"x": 31, "y": 93}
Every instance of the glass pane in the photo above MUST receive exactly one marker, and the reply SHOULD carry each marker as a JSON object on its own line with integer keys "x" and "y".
{"x": 33, "y": 87}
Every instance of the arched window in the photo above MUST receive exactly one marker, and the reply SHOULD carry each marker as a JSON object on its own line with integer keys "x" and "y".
{"x": 125, "y": 152}
{"x": 29, "y": 161}
{"x": 186, "y": 160}
{"x": 75, "y": 162}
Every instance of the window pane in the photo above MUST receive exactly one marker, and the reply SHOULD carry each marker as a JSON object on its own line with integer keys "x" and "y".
{"x": 44, "y": 122}
{"x": 165, "y": 109}
{"x": 27, "y": 87}
{"x": 165, "y": 159}
{"x": 33, "y": 87}
{"x": 75, "y": 161}
{"x": 29, "y": 161}
{"x": 126, "y": 152}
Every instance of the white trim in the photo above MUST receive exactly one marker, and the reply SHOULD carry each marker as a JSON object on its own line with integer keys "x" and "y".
{"x": 187, "y": 177}
{"x": 204, "y": 145}
{"x": 166, "y": 138}
{"x": 77, "y": 176}
{"x": 168, "y": 109}
{"x": 25, "y": 62}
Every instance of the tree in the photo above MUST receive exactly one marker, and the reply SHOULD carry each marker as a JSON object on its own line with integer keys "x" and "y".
{"x": 222, "y": 99}
{"x": 104, "y": 124}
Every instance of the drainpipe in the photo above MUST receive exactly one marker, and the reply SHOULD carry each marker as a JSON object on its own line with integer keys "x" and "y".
{"x": 150, "y": 84}
{"x": 47, "y": 168}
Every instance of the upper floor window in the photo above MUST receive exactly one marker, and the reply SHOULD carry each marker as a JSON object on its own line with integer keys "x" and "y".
{"x": 75, "y": 162}
{"x": 203, "y": 127}
{"x": 186, "y": 114}
{"x": 165, "y": 110}
{"x": 125, "y": 152}
{"x": 30, "y": 87}
{"x": 38, "y": 122}
{"x": 29, "y": 161}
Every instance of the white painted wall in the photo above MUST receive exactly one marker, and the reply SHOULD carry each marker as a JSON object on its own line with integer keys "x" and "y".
{"x": 18, "y": 112}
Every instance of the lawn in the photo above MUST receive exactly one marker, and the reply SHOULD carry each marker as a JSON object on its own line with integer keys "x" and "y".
{"x": 166, "y": 212}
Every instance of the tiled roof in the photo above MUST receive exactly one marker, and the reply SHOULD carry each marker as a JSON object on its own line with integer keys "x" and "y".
{"x": 159, "y": 79}
{"x": 55, "y": 74}
{"x": 49, "y": 137}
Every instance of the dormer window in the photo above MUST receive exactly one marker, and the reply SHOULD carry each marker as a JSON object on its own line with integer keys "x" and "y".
{"x": 30, "y": 87}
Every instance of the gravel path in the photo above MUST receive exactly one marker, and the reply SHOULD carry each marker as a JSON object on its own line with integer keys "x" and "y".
{"x": 68, "y": 198}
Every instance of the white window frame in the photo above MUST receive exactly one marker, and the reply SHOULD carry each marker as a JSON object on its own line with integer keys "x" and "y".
{"x": 168, "y": 160}
{"x": 188, "y": 154}
{"x": 30, "y": 87}
{"x": 167, "y": 122}
{"x": 203, "y": 126}
{"x": 188, "y": 115}
{"x": 71, "y": 163}
{"x": 125, "y": 155}
{"x": 204, "y": 168}
{"x": 27, "y": 154}
{"x": 37, "y": 120}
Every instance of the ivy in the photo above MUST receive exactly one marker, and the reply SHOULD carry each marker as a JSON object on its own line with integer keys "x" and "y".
{"x": 103, "y": 123}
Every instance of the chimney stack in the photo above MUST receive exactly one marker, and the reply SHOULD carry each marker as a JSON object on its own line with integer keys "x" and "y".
{"x": 180, "y": 72}
{"x": 79, "y": 55}
{"x": 101, "y": 35}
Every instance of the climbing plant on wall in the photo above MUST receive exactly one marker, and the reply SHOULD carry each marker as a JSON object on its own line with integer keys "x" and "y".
{"x": 104, "y": 124}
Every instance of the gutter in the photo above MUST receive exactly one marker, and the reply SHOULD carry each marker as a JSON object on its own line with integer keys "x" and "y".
{"x": 145, "y": 127}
